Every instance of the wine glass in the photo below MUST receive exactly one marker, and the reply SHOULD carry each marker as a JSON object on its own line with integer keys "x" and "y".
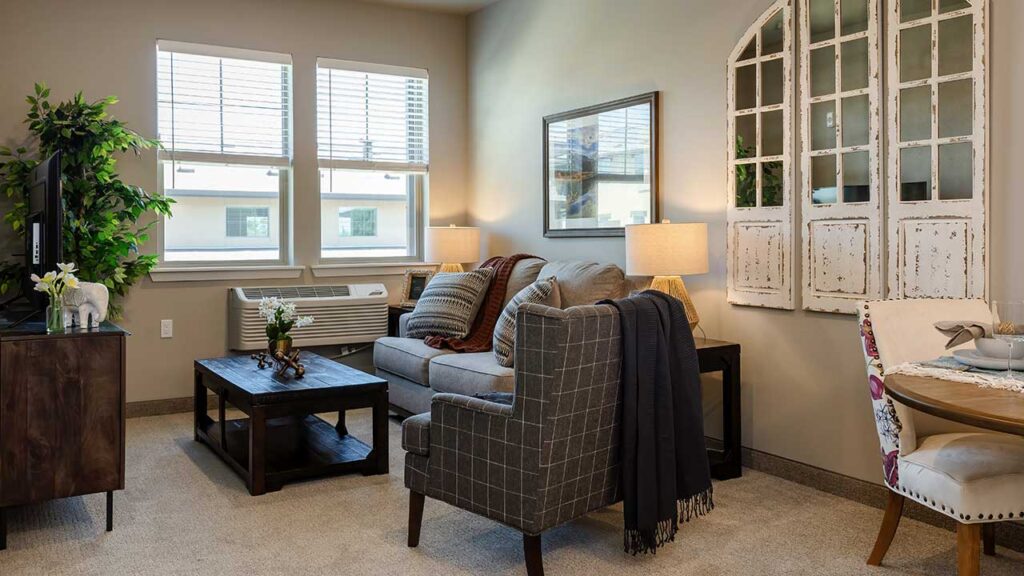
{"x": 1008, "y": 326}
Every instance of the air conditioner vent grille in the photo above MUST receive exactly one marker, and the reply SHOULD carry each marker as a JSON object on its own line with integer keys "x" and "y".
{"x": 290, "y": 292}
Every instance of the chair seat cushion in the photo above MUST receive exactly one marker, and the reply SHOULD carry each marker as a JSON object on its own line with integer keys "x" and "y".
{"x": 407, "y": 357}
{"x": 416, "y": 434}
{"x": 470, "y": 374}
{"x": 972, "y": 477}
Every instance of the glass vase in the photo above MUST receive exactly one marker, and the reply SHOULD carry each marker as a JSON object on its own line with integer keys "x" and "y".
{"x": 54, "y": 316}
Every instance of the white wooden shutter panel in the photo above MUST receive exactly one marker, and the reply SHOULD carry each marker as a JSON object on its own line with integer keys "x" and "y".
{"x": 371, "y": 116}
{"x": 840, "y": 95}
{"x": 760, "y": 209}
{"x": 937, "y": 140}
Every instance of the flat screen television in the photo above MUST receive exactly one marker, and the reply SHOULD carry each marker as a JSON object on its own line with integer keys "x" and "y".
{"x": 44, "y": 226}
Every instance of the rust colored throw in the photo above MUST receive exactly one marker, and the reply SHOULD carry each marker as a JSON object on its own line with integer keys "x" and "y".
{"x": 482, "y": 333}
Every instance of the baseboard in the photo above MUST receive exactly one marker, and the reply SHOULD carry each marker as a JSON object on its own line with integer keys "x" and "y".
{"x": 164, "y": 407}
{"x": 1008, "y": 534}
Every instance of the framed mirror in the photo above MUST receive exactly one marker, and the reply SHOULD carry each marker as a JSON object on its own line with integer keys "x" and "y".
{"x": 601, "y": 169}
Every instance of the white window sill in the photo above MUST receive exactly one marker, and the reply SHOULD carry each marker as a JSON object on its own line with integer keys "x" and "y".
{"x": 205, "y": 273}
{"x": 367, "y": 269}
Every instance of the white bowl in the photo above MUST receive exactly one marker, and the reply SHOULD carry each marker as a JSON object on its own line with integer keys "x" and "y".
{"x": 996, "y": 348}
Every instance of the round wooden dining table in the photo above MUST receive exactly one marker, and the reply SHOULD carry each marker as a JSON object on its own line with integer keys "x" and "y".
{"x": 989, "y": 408}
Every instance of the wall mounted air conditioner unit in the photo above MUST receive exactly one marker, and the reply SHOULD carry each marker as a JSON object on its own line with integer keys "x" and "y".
{"x": 346, "y": 314}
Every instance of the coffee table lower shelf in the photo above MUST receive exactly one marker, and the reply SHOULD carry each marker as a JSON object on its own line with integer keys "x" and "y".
{"x": 296, "y": 448}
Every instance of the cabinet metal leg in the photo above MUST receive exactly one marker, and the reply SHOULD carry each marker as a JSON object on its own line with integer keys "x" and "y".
{"x": 110, "y": 511}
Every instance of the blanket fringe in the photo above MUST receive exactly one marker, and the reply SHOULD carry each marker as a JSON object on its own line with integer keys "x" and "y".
{"x": 647, "y": 542}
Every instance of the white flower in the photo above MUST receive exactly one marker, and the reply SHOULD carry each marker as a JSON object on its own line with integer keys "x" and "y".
{"x": 303, "y": 321}
{"x": 40, "y": 287}
{"x": 71, "y": 281}
{"x": 67, "y": 268}
{"x": 35, "y": 278}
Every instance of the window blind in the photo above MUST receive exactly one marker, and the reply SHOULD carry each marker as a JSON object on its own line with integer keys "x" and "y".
{"x": 223, "y": 104}
{"x": 371, "y": 116}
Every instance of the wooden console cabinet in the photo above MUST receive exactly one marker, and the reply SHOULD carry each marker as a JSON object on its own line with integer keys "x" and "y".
{"x": 62, "y": 415}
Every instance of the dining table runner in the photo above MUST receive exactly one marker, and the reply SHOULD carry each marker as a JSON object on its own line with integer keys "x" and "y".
{"x": 948, "y": 368}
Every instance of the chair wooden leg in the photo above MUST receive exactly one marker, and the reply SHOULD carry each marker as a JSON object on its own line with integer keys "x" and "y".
{"x": 891, "y": 521}
{"x": 415, "y": 517}
{"x": 968, "y": 549}
{"x": 988, "y": 538}
{"x": 534, "y": 560}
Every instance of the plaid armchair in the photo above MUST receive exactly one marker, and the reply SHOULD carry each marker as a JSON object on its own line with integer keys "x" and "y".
{"x": 552, "y": 455}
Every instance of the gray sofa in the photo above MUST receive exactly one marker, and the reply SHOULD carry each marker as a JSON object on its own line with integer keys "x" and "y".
{"x": 415, "y": 371}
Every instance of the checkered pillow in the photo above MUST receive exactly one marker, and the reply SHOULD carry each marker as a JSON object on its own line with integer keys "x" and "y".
{"x": 449, "y": 304}
{"x": 541, "y": 292}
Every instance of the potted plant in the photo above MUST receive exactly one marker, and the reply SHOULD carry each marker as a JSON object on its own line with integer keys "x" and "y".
{"x": 54, "y": 284}
{"x": 281, "y": 318}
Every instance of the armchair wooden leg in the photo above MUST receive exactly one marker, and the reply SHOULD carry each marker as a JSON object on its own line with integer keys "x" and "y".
{"x": 988, "y": 538}
{"x": 968, "y": 549}
{"x": 415, "y": 517}
{"x": 891, "y": 521}
{"x": 534, "y": 560}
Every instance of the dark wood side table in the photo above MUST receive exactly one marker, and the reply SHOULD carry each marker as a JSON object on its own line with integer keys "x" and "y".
{"x": 394, "y": 313}
{"x": 283, "y": 440}
{"x": 725, "y": 455}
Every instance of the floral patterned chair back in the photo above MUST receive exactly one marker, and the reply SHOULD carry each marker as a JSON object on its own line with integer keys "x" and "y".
{"x": 896, "y": 331}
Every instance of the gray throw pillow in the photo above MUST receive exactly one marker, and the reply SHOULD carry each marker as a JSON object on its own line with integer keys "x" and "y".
{"x": 544, "y": 291}
{"x": 449, "y": 304}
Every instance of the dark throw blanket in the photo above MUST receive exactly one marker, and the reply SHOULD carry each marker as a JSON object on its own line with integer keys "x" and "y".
{"x": 666, "y": 478}
{"x": 481, "y": 334}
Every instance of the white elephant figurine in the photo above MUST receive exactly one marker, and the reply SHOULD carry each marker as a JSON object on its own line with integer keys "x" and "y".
{"x": 89, "y": 301}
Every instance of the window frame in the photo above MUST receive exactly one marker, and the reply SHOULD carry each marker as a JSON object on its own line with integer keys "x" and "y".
{"x": 283, "y": 164}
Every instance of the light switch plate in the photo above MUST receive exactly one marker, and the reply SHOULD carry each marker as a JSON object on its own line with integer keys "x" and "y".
{"x": 167, "y": 328}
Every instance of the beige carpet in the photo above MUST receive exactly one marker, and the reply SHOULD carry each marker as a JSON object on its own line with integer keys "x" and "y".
{"x": 185, "y": 512}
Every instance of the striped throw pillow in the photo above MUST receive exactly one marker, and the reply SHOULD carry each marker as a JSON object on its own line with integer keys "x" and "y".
{"x": 449, "y": 304}
{"x": 543, "y": 291}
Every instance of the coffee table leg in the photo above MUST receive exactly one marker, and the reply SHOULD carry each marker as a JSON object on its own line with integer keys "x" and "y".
{"x": 380, "y": 434}
{"x": 199, "y": 402}
{"x": 340, "y": 426}
{"x": 257, "y": 452}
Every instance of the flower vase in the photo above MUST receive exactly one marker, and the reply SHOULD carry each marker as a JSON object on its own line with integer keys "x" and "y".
{"x": 282, "y": 345}
{"x": 54, "y": 316}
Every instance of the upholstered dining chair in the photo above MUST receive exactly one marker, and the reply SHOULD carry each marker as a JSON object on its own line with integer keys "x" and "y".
{"x": 974, "y": 477}
{"x": 552, "y": 455}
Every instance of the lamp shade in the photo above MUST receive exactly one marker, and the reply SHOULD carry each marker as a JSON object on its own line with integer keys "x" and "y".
{"x": 666, "y": 249}
{"x": 452, "y": 244}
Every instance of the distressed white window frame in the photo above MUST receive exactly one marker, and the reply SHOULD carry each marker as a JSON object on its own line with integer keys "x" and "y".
{"x": 772, "y": 227}
{"x": 849, "y": 233}
{"x": 967, "y": 216}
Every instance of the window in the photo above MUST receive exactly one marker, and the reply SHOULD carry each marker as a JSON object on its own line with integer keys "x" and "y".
{"x": 372, "y": 146}
{"x": 225, "y": 125}
{"x": 357, "y": 222}
{"x": 243, "y": 222}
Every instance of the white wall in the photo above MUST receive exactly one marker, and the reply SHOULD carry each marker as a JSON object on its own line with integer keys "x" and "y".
{"x": 804, "y": 392}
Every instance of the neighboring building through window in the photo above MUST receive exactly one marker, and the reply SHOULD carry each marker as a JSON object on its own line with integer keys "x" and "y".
{"x": 372, "y": 143}
{"x": 225, "y": 126}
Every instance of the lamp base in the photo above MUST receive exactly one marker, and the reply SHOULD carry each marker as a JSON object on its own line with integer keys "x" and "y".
{"x": 449, "y": 267}
{"x": 674, "y": 287}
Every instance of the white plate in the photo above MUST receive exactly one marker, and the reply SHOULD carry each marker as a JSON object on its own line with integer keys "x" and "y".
{"x": 974, "y": 358}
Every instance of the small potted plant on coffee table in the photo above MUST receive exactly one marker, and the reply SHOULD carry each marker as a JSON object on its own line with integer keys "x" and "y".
{"x": 281, "y": 318}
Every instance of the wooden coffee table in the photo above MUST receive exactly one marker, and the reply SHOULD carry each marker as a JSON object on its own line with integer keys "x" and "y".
{"x": 283, "y": 439}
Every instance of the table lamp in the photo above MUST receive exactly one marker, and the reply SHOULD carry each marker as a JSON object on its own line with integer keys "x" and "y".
{"x": 452, "y": 246}
{"x": 667, "y": 251}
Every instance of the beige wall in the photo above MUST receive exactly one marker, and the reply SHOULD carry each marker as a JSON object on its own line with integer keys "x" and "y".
{"x": 108, "y": 47}
{"x": 804, "y": 393}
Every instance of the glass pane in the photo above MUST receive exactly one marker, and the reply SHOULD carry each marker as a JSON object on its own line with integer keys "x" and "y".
{"x": 915, "y": 174}
{"x": 956, "y": 45}
{"x": 854, "y": 16}
{"x": 746, "y": 185}
{"x": 222, "y": 212}
{"x": 823, "y": 20}
{"x": 956, "y": 104}
{"x": 750, "y": 51}
{"x": 746, "y": 136}
{"x": 772, "y": 35}
{"x": 746, "y": 87}
{"x": 855, "y": 65}
{"x": 956, "y": 171}
{"x": 915, "y": 9}
{"x": 771, "y": 133}
{"x": 823, "y": 179}
{"x": 916, "y": 53}
{"x": 771, "y": 82}
{"x": 856, "y": 177}
{"x": 365, "y": 213}
{"x": 771, "y": 184}
{"x": 952, "y": 5}
{"x": 823, "y": 125}
{"x": 855, "y": 120}
{"x": 915, "y": 113}
{"x": 823, "y": 71}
